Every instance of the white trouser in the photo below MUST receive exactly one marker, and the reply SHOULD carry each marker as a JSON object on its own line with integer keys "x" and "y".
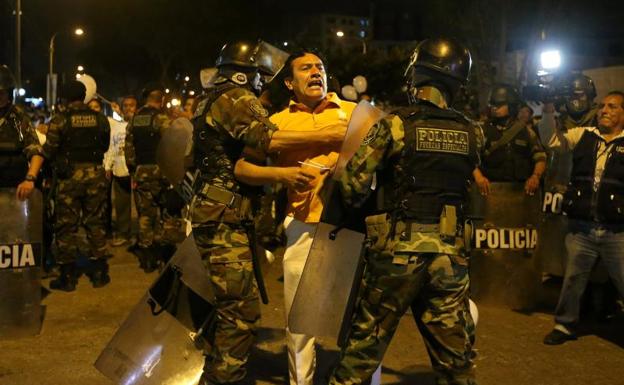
{"x": 301, "y": 351}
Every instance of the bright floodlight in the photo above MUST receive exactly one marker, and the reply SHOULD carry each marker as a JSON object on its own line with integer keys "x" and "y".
{"x": 340, "y": 34}
{"x": 21, "y": 92}
{"x": 166, "y": 90}
{"x": 175, "y": 102}
{"x": 78, "y": 76}
{"x": 285, "y": 44}
{"x": 550, "y": 59}
{"x": 79, "y": 31}
{"x": 80, "y": 68}
{"x": 191, "y": 92}
{"x": 186, "y": 78}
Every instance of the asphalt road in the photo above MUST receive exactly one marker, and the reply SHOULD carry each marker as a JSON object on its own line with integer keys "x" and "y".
{"x": 78, "y": 325}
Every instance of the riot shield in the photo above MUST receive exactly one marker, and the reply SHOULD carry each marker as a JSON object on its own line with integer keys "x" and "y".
{"x": 21, "y": 237}
{"x": 503, "y": 268}
{"x": 157, "y": 343}
{"x": 553, "y": 225}
{"x": 327, "y": 280}
{"x": 173, "y": 148}
{"x": 332, "y": 270}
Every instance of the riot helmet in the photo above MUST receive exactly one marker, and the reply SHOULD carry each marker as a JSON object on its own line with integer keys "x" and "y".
{"x": 7, "y": 83}
{"x": 250, "y": 63}
{"x": 505, "y": 95}
{"x": 580, "y": 93}
{"x": 439, "y": 62}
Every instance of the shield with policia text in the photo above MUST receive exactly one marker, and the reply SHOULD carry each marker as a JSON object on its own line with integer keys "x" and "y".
{"x": 331, "y": 275}
{"x": 173, "y": 147}
{"x": 553, "y": 225}
{"x": 503, "y": 266}
{"x": 21, "y": 236}
{"x": 159, "y": 342}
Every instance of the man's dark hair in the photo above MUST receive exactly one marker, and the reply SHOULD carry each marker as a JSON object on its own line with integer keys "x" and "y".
{"x": 288, "y": 70}
{"x": 617, "y": 93}
{"x": 130, "y": 97}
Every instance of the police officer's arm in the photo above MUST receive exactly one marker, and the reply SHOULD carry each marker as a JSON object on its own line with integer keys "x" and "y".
{"x": 383, "y": 142}
{"x": 53, "y": 137}
{"x": 295, "y": 178}
{"x": 539, "y": 159}
{"x": 483, "y": 183}
{"x": 32, "y": 151}
{"x": 286, "y": 140}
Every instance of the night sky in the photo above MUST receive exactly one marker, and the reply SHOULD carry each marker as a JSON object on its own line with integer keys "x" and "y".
{"x": 128, "y": 43}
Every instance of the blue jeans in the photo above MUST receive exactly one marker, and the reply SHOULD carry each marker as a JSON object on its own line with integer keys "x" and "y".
{"x": 586, "y": 242}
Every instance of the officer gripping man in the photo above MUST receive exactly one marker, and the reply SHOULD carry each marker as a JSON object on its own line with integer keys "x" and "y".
{"x": 18, "y": 142}
{"x": 423, "y": 158}
{"x": 76, "y": 142}
{"x": 143, "y": 135}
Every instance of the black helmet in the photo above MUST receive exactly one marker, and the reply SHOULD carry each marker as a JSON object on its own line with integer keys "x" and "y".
{"x": 444, "y": 56}
{"x": 502, "y": 94}
{"x": 240, "y": 54}
{"x": 579, "y": 83}
{"x": 7, "y": 81}
{"x": 441, "y": 60}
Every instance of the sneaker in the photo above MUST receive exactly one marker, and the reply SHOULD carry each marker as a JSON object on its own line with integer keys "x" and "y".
{"x": 557, "y": 337}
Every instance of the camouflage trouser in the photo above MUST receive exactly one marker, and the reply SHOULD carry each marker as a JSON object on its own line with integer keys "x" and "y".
{"x": 81, "y": 200}
{"x": 435, "y": 287}
{"x": 153, "y": 225}
{"x": 225, "y": 251}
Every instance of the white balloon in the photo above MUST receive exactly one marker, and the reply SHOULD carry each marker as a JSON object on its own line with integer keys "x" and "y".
{"x": 207, "y": 76}
{"x": 360, "y": 84}
{"x": 349, "y": 93}
{"x": 90, "y": 85}
{"x": 474, "y": 312}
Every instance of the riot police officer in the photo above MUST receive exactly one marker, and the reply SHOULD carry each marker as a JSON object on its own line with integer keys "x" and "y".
{"x": 143, "y": 135}
{"x": 18, "y": 142}
{"x": 513, "y": 152}
{"x": 423, "y": 158}
{"x": 76, "y": 142}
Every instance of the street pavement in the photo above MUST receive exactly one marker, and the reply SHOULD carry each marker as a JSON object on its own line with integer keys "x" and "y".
{"x": 78, "y": 325}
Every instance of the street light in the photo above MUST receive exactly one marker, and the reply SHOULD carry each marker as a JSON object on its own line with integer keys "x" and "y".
{"x": 341, "y": 34}
{"x": 52, "y": 80}
{"x": 80, "y": 68}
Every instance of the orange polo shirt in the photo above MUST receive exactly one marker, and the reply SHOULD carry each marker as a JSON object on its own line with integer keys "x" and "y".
{"x": 306, "y": 205}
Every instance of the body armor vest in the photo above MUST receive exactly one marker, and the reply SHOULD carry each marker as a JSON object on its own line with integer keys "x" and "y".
{"x": 85, "y": 140}
{"x": 606, "y": 202}
{"x": 215, "y": 152}
{"x": 435, "y": 166}
{"x": 146, "y": 135}
{"x": 13, "y": 163}
{"x": 511, "y": 162}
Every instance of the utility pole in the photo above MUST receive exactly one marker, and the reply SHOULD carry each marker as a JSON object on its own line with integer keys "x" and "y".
{"x": 18, "y": 43}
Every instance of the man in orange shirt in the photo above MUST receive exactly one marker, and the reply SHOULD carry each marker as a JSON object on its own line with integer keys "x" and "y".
{"x": 312, "y": 109}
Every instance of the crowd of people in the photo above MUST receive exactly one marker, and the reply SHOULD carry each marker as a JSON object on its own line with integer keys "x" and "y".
{"x": 407, "y": 185}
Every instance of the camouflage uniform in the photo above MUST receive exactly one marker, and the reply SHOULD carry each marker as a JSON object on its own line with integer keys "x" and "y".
{"x": 18, "y": 143}
{"x": 155, "y": 225}
{"x": 230, "y": 118}
{"x": 76, "y": 142}
{"x": 409, "y": 264}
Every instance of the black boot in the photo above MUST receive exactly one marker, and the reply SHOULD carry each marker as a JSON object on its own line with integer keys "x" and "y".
{"x": 99, "y": 275}
{"x": 148, "y": 258}
{"x": 67, "y": 279}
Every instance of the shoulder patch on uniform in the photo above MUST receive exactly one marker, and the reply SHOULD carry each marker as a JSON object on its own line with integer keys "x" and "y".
{"x": 239, "y": 78}
{"x": 257, "y": 109}
{"x": 372, "y": 134}
{"x": 429, "y": 139}
{"x": 199, "y": 111}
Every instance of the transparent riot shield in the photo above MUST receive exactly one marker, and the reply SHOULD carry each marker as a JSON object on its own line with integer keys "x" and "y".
{"x": 174, "y": 146}
{"x": 504, "y": 269}
{"x": 159, "y": 342}
{"x": 21, "y": 236}
{"x": 331, "y": 275}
